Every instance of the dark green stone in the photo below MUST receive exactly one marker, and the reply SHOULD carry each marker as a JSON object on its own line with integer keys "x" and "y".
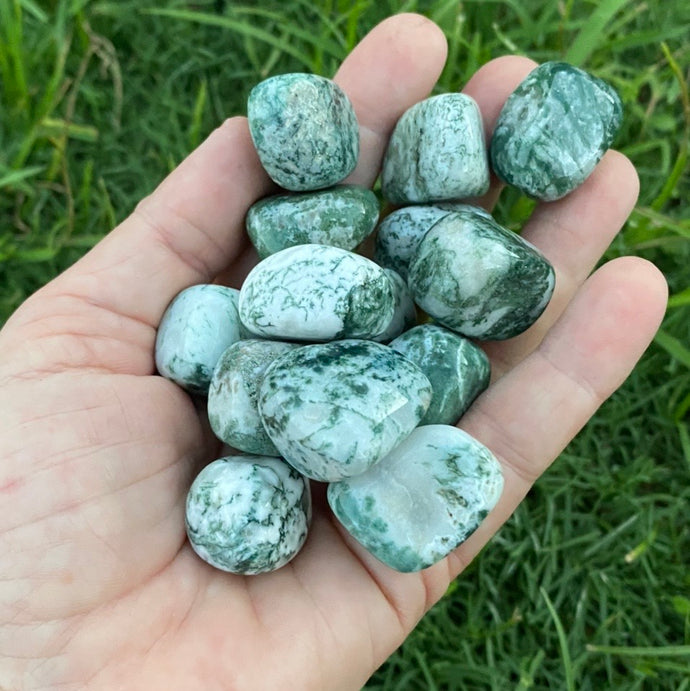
{"x": 341, "y": 216}
{"x": 553, "y": 130}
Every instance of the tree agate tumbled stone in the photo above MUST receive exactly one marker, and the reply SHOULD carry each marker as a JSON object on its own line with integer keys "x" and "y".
{"x": 316, "y": 293}
{"x": 304, "y": 129}
{"x": 478, "y": 278}
{"x": 405, "y": 314}
{"x": 248, "y": 514}
{"x": 334, "y": 409}
{"x": 198, "y": 325}
{"x": 232, "y": 397}
{"x": 553, "y": 130}
{"x": 341, "y": 216}
{"x": 436, "y": 152}
{"x": 457, "y": 369}
{"x": 422, "y": 500}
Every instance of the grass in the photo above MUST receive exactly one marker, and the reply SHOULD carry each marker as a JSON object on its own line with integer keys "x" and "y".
{"x": 588, "y": 586}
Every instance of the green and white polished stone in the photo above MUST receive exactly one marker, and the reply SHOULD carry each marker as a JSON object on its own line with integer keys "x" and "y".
{"x": 457, "y": 369}
{"x": 341, "y": 216}
{"x": 421, "y": 501}
{"x": 405, "y": 315}
{"x": 401, "y": 231}
{"x": 198, "y": 325}
{"x": 478, "y": 278}
{"x": 232, "y": 397}
{"x": 316, "y": 293}
{"x": 334, "y": 409}
{"x": 248, "y": 514}
{"x": 436, "y": 152}
{"x": 304, "y": 129}
{"x": 553, "y": 130}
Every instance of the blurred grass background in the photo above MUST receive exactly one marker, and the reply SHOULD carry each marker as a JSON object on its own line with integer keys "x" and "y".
{"x": 588, "y": 586}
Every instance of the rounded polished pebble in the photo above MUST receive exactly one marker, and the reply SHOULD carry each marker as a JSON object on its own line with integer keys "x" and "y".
{"x": 316, "y": 293}
{"x": 304, "y": 129}
{"x": 232, "y": 397}
{"x": 478, "y": 278}
{"x": 405, "y": 314}
{"x": 248, "y": 514}
{"x": 334, "y": 409}
{"x": 436, "y": 152}
{"x": 198, "y": 325}
{"x": 553, "y": 130}
{"x": 401, "y": 231}
{"x": 422, "y": 500}
{"x": 341, "y": 216}
{"x": 457, "y": 369}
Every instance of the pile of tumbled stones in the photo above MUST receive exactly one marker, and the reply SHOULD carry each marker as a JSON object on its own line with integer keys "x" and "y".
{"x": 331, "y": 367}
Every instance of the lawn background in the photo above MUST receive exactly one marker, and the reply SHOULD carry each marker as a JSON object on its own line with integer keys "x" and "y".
{"x": 588, "y": 585}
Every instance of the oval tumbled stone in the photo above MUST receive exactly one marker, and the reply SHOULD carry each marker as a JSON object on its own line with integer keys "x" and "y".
{"x": 334, "y": 409}
{"x": 304, "y": 129}
{"x": 248, "y": 514}
{"x": 341, "y": 216}
{"x": 458, "y": 369}
{"x": 436, "y": 152}
{"x": 232, "y": 397}
{"x": 478, "y": 278}
{"x": 405, "y": 314}
{"x": 316, "y": 293}
{"x": 422, "y": 500}
{"x": 553, "y": 130}
{"x": 198, "y": 325}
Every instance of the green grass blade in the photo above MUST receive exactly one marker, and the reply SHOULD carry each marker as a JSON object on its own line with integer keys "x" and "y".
{"x": 15, "y": 176}
{"x": 673, "y": 347}
{"x": 681, "y": 299}
{"x": 641, "y": 651}
{"x": 562, "y": 641}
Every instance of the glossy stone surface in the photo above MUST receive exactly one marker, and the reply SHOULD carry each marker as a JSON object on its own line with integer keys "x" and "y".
{"x": 405, "y": 314}
{"x": 457, "y": 369}
{"x": 401, "y": 231}
{"x": 478, "y": 278}
{"x": 198, "y": 325}
{"x": 422, "y": 500}
{"x": 334, "y": 409}
{"x": 436, "y": 152}
{"x": 553, "y": 130}
{"x": 340, "y": 216}
{"x": 304, "y": 129}
{"x": 316, "y": 293}
{"x": 248, "y": 514}
{"x": 232, "y": 397}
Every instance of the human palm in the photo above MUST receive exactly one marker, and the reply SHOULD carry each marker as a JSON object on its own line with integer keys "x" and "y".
{"x": 98, "y": 586}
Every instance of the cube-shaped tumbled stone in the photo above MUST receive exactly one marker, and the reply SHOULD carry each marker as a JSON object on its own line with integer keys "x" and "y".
{"x": 316, "y": 293}
{"x": 304, "y": 129}
{"x": 422, "y": 500}
{"x": 553, "y": 130}
{"x": 405, "y": 315}
{"x": 334, "y": 409}
{"x": 480, "y": 279}
{"x": 436, "y": 152}
{"x": 248, "y": 514}
{"x": 232, "y": 397}
{"x": 402, "y": 230}
{"x": 340, "y": 216}
{"x": 198, "y": 325}
{"x": 458, "y": 369}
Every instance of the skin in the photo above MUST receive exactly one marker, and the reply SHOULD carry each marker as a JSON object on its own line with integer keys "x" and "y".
{"x": 98, "y": 586}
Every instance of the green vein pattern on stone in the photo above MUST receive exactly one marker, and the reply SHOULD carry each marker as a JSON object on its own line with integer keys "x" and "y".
{"x": 405, "y": 314}
{"x": 401, "y": 231}
{"x": 316, "y": 293}
{"x": 422, "y": 500}
{"x": 436, "y": 152}
{"x": 248, "y": 514}
{"x": 341, "y": 216}
{"x": 232, "y": 397}
{"x": 553, "y": 130}
{"x": 457, "y": 369}
{"x": 198, "y": 325}
{"x": 304, "y": 129}
{"x": 480, "y": 279}
{"x": 334, "y": 409}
